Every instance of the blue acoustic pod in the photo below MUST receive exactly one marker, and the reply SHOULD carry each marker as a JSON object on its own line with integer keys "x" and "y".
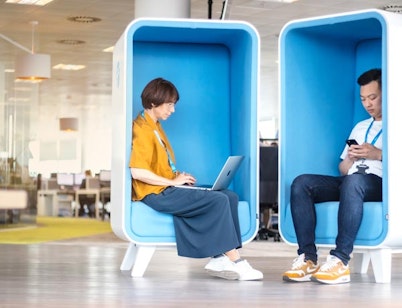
{"x": 215, "y": 67}
{"x": 320, "y": 61}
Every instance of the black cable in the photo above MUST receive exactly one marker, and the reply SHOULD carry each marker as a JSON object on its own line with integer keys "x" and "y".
{"x": 223, "y": 9}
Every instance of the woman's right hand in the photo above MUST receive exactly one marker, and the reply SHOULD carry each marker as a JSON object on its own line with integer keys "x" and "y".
{"x": 183, "y": 178}
{"x": 151, "y": 178}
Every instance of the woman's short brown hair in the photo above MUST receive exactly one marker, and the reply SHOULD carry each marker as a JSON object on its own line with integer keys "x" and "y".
{"x": 157, "y": 92}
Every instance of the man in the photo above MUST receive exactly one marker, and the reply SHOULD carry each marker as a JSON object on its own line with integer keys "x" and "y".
{"x": 360, "y": 181}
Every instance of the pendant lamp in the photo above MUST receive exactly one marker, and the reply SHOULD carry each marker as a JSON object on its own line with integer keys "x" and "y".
{"x": 68, "y": 124}
{"x": 33, "y": 66}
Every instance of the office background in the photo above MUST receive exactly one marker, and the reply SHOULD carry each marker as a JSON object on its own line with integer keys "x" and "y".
{"x": 76, "y": 32}
{"x": 83, "y": 272}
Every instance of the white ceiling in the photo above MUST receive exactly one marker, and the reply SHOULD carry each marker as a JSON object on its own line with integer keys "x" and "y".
{"x": 87, "y": 93}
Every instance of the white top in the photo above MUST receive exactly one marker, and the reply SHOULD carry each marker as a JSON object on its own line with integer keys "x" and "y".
{"x": 359, "y": 133}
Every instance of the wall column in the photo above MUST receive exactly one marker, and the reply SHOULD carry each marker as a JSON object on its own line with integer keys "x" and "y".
{"x": 163, "y": 9}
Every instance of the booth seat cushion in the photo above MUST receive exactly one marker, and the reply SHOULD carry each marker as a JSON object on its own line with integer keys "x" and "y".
{"x": 371, "y": 229}
{"x": 150, "y": 226}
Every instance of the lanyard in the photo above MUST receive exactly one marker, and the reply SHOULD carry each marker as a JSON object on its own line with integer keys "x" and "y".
{"x": 376, "y": 137}
{"x": 171, "y": 163}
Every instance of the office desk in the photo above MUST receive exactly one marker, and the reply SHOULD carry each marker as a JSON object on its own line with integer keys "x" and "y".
{"x": 51, "y": 201}
{"x": 87, "y": 191}
{"x": 65, "y": 198}
{"x": 104, "y": 193}
{"x": 45, "y": 208}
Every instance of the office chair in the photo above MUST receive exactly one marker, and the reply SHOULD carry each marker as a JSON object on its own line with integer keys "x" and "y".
{"x": 145, "y": 51}
{"x": 269, "y": 193}
{"x": 313, "y": 144}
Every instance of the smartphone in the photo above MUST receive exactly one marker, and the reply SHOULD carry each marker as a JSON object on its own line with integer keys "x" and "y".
{"x": 351, "y": 141}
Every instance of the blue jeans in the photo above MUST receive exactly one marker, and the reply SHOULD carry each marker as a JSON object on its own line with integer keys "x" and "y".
{"x": 351, "y": 191}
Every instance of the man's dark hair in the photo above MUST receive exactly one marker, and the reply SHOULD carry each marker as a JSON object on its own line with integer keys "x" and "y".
{"x": 369, "y": 76}
{"x": 157, "y": 92}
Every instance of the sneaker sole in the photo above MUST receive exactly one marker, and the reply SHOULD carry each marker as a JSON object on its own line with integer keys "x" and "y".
{"x": 306, "y": 278}
{"x": 229, "y": 275}
{"x": 255, "y": 278}
{"x": 343, "y": 279}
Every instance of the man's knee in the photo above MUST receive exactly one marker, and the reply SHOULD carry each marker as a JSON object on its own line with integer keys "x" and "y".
{"x": 300, "y": 182}
{"x": 353, "y": 181}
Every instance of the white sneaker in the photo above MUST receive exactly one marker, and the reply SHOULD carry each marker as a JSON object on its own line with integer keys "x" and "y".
{"x": 241, "y": 271}
{"x": 216, "y": 265}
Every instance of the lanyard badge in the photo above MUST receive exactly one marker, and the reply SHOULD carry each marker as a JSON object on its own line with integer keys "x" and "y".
{"x": 362, "y": 167}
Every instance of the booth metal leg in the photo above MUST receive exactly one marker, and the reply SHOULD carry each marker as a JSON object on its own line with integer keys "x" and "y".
{"x": 129, "y": 257}
{"x": 361, "y": 261}
{"x": 381, "y": 260}
{"x": 137, "y": 259}
{"x": 143, "y": 257}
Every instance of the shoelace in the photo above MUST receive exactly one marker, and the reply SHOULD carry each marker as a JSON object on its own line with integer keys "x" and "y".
{"x": 244, "y": 264}
{"x": 298, "y": 262}
{"x": 330, "y": 264}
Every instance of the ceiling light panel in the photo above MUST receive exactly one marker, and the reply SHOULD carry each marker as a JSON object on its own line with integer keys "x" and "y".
{"x": 109, "y": 49}
{"x": 30, "y": 2}
{"x": 68, "y": 67}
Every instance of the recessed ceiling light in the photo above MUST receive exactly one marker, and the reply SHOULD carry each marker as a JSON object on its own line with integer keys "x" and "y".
{"x": 68, "y": 67}
{"x": 84, "y": 19}
{"x": 109, "y": 49}
{"x": 71, "y": 42}
{"x": 30, "y": 2}
{"x": 394, "y": 8}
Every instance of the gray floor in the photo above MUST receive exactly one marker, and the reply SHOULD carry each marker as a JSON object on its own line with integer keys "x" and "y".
{"x": 85, "y": 273}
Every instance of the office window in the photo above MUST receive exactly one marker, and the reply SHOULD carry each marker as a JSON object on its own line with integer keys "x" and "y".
{"x": 68, "y": 150}
{"x": 48, "y": 150}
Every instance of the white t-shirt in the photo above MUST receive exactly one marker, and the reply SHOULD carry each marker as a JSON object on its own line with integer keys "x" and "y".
{"x": 359, "y": 133}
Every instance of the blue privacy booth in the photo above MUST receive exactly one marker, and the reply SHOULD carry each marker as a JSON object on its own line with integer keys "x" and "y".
{"x": 215, "y": 67}
{"x": 320, "y": 61}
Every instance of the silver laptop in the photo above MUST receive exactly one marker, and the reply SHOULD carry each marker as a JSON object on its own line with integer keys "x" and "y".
{"x": 224, "y": 178}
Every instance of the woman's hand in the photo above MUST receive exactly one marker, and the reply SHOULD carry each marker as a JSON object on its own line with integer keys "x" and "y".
{"x": 183, "y": 178}
{"x": 151, "y": 178}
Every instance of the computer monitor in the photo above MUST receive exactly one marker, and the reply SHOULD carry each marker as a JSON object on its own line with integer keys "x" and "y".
{"x": 78, "y": 178}
{"x": 51, "y": 184}
{"x": 104, "y": 176}
{"x": 65, "y": 179}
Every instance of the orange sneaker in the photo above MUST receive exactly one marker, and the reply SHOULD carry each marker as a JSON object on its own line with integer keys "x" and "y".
{"x": 301, "y": 270}
{"x": 332, "y": 272}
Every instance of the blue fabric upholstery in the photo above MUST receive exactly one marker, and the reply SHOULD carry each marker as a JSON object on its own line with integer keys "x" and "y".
{"x": 320, "y": 104}
{"x": 215, "y": 67}
{"x": 149, "y": 225}
{"x": 371, "y": 229}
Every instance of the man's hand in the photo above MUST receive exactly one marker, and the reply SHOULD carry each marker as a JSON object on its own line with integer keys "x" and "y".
{"x": 364, "y": 151}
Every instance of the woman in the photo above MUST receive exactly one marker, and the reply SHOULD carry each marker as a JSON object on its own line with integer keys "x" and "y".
{"x": 206, "y": 222}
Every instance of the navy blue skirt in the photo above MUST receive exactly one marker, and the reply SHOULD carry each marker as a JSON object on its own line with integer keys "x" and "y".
{"x": 206, "y": 222}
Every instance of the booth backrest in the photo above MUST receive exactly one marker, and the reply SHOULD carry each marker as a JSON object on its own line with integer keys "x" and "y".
{"x": 321, "y": 60}
{"x": 214, "y": 66}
